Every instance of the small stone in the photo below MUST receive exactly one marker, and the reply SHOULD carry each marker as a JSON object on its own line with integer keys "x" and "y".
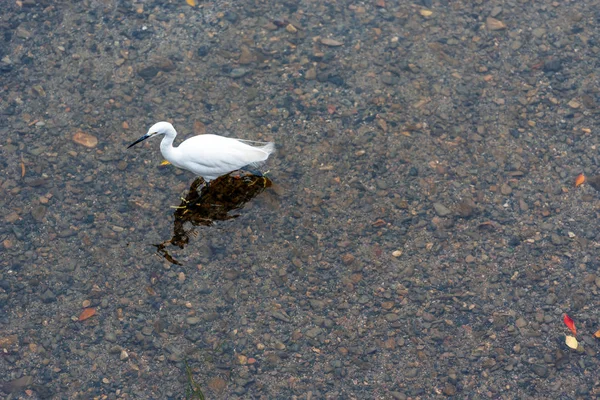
{"x": 18, "y": 384}
{"x": 147, "y": 330}
{"x": 203, "y": 51}
{"x": 231, "y": 17}
{"x": 594, "y": 181}
{"x": 280, "y": 316}
{"x": 398, "y": 396}
{"x": 397, "y": 253}
{"x": 551, "y": 299}
{"x": 425, "y": 13}
{"x": 12, "y": 217}
{"x": 23, "y": 33}
{"x": 348, "y": 259}
{"x": 291, "y": 28}
{"x": 38, "y": 213}
{"x": 574, "y": 104}
{"x": 493, "y": 24}
{"x": 311, "y": 74}
{"x": 331, "y": 42}
{"x": 165, "y": 64}
{"x": 520, "y": 323}
{"x": 148, "y": 72}
{"x": 466, "y": 208}
{"x": 270, "y": 26}
{"x": 523, "y": 205}
{"x": 313, "y": 332}
{"x": 124, "y": 356}
{"x": 538, "y": 32}
{"x": 192, "y": 320}
{"x": 505, "y": 189}
{"x": 449, "y": 389}
{"x": 556, "y": 239}
{"x": 48, "y": 296}
{"x": 237, "y": 73}
{"x": 317, "y": 304}
{"x": 441, "y": 209}
{"x": 217, "y": 384}
{"x": 336, "y": 80}
{"x": 391, "y": 317}
{"x": 85, "y": 139}
{"x": 553, "y": 65}
{"x": 246, "y": 56}
{"x": 389, "y": 79}
{"x": 39, "y": 90}
{"x": 540, "y": 370}
{"x": 8, "y": 341}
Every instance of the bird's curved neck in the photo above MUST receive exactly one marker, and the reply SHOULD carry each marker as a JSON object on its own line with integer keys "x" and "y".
{"x": 166, "y": 145}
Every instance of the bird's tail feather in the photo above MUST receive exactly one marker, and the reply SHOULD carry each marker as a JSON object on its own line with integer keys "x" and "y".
{"x": 268, "y": 147}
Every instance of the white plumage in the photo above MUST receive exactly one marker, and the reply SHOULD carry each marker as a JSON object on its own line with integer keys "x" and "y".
{"x": 208, "y": 156}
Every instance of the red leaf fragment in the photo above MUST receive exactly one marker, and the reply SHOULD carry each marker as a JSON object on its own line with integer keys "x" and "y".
{"x": 570, "y": 324}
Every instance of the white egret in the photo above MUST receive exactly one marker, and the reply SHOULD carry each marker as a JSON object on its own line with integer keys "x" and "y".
{"x": 208, "y": 156}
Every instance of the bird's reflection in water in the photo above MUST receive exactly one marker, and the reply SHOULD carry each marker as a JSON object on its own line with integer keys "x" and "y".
{"x": 204, "y": 204}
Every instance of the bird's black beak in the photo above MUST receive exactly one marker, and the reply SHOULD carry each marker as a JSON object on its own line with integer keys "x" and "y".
{"x": 146, "y": 136}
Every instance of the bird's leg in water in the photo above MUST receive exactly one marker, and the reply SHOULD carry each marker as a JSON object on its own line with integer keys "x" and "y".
{"x": 196, "y": 184}
{"x": 253, "y": 171}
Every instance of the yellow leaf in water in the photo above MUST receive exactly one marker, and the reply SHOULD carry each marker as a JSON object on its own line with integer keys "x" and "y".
{"x": 191, "y": 3}
{"x": 164, "y": 162}
{"x": 571, "y": 342}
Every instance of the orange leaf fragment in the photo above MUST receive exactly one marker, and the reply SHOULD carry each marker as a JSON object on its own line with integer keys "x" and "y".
{"x": 570, "y": 324}
{"x": 579, "y": 180}
{"x": 87, "y": 313}
{"x": 330, "y": 109}
{"x": 597, "y": 334}
{"x": 191, "y": 3}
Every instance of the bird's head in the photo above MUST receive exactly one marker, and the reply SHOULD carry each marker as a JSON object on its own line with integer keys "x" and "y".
{"x": 159, "y": 128}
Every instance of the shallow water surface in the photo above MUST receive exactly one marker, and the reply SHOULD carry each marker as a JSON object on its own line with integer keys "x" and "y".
{"x": 422, "y": 236}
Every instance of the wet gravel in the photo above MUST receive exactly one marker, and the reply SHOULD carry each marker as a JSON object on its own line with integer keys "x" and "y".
{"x": 423, "y": 239}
